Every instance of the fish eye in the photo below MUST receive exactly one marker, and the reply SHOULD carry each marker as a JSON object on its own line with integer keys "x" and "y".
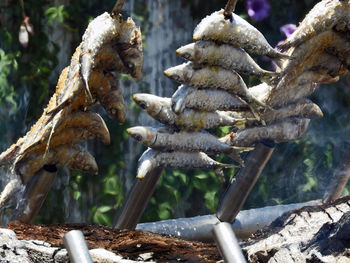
{"x": 130, "y": 65}
{"x": 138, "y": 138}
{"x": 143, "y": 105}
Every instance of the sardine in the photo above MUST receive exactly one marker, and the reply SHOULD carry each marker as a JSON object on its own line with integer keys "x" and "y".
{"x": 129, "y": 47}
{"x": 160, "y": 109}
{"x": 301, "y": 109}
{"x": 226, "y": 56}
{"x": 300, "y": 87}
{"x": 237, "y": 32}
{"x": 100, "y": 31}
{"x": 89, "y": 120}
{"x": 205, "y": 100}
{"x": 72, "y": 156}
{"x": 212, "y": 77}
{"x": 323, "y": 16}
{"x": 313, "y": 54}
{"x": 177, "y": 160}
{"x": 180, "y": 141}
{"x": 284, "y": 131}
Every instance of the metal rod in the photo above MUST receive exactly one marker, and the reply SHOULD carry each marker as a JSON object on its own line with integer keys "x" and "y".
{"x": 35, "y": 194}
{"x": 229, "y": 8}
{"x": 243, "y": 182}
{"x": 339, "y": 180}
{"x": 199, "y": 228}
{"x": 118, "y": 7}
{"x": 137, "y": 200}
{"x": 77, "y": 249}
{"x": 227, "y": 243}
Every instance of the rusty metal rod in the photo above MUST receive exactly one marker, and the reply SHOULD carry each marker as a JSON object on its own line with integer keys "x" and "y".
{"x": 35, "y": 194}
{"x": 137, "y": 200}
{"x": 244, "y": 181}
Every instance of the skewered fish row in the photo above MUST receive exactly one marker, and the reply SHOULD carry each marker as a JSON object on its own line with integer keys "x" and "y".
{"x": 276, "y": 109}
{"x": 110, "y": 45}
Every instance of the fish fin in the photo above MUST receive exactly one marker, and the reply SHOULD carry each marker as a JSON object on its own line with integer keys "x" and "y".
{"x": 220, "y": 173}
{"x": 87, "y": 89}
{"x": 241, "y": 123}
{"x": 269, "y": 77}
{"x": 243, "y": 149}
{"x": 236, "y": 157}
{"x": 57, "y": 120}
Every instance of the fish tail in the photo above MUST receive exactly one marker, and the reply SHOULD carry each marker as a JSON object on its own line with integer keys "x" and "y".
{"x": 284, "y": 46}
{"x": 269, "y": 76}
{"x": 87, "y": 89}
{"x": 234, "y": 155}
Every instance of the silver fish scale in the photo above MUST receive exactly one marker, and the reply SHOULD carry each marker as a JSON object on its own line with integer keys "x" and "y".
{"x": 187, "y": 160}
{"x": 212, "y": 87}
{"x": 190, "y": 141}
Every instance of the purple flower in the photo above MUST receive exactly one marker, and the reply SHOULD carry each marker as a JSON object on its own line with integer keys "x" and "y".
{"x": 288, "y": 29}
{"x": 258, "y": 9}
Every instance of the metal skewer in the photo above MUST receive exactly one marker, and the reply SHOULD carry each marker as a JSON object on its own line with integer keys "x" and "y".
{"x": 35, "y": 194}
{"x": 244, "y": 181}
{"x": 229, "y": 8}
{"x": 227, "y": 243}
{"x": 118, "y": 7}
{"x": 137, "y": 200}
{"x": 77, "y": 249}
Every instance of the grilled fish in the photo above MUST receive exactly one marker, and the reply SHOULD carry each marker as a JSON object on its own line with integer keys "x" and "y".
{"x": 226, "y": 56}
{"x": 237, "y": 32}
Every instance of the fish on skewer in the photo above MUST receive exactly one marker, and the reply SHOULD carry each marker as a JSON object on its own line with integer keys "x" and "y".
{"x": 323, "y": 16}
{"x": 215, "y": 77}
{"x": 205, "y": 100}
{"x": 184, "y": 141}
{"x": 160, "y": 109}
{"x": 151, "y": 159}
{"x": 284, "y": 131}
{"x": 226, "y": 56}
{"x": 236, "y": 32}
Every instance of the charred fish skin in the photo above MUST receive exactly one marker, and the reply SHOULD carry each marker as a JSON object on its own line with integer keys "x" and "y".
{"x": 223, "y": 55}
{"x": 99, "y": 32}
{"x": 236, "y": 32}
{"x": 212, "y": 77}
{"x": 323, "y": 16}
{"x": 205, "y": 100}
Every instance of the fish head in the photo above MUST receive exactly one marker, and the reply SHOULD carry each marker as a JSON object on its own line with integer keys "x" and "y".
{"x": 186, "y": 52}
{"x": 150, "y": 103}
{"x": 210, "y": 27}
{"x": 145, "y": 135}
{"x": 181, "y": 73}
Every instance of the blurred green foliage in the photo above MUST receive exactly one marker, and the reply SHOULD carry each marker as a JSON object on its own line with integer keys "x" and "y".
{"x": 297, "y": 171}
